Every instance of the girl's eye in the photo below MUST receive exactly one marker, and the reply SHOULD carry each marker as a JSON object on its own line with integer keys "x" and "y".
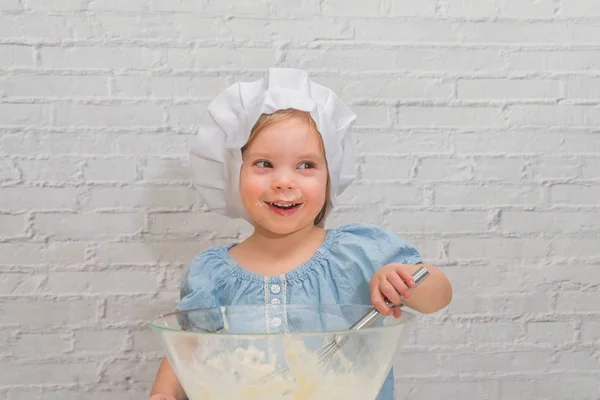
{"x": 263, "y": 164}
{"x": 307, "y": 165}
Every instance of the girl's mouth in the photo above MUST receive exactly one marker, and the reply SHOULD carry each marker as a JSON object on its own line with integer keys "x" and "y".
{"x": 283, "y": 208}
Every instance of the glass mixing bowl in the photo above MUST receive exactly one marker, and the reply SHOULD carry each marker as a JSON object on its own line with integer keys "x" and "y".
{"x": 225, "y": 353}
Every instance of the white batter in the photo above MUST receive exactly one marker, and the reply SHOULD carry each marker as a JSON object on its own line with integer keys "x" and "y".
{"x": 215, "y": 378}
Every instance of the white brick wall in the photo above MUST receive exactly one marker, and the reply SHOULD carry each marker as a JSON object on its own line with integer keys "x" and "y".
{"x": 477, "y": 137}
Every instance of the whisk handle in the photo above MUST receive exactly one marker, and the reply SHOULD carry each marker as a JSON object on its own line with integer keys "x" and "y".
{"x": 369, "y": 318}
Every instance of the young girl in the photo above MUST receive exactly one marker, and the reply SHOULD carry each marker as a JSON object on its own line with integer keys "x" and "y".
{"x": 278, "y": 153}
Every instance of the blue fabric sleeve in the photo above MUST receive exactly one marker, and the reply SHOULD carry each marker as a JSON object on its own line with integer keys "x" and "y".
{"x": 197, "y": 290}
{"x": 368, "y": 248}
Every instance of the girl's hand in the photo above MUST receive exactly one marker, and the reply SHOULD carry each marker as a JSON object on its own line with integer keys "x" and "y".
{"x": 391, "y": 282}
{"x": 161, "y": 396}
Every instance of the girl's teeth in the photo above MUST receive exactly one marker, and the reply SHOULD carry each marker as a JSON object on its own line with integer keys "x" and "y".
{"x": 284, "y": 205}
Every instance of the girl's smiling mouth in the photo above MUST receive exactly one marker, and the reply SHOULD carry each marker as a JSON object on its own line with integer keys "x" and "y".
{"x": 283, "y": 208}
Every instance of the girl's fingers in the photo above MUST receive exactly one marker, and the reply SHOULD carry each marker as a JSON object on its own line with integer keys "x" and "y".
{"x": 378, "y": 302}
{"x": 405, "y": 275}
{"x": 399, "y": 285}
{"x": 390, "y": 292}
{"x": 397, "y": 312}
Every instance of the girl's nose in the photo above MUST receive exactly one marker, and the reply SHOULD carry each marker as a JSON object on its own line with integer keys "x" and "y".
{"x": 280, "y": 185}
{"x": 283, "y": 181}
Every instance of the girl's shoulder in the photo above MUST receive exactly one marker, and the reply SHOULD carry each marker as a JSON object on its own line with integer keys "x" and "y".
{"x": 203, "y": 274}
{"x": 210, "y": 258}
{"x": 206, "y": 268}
{"x": 359, "y": 229}
{"x": 362, "y": 241}
{"x": 360, "y": 234}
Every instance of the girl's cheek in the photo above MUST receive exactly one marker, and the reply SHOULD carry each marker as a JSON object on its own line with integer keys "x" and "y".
{"x": 254, "y": 187}
{"x": 316, "y": 191}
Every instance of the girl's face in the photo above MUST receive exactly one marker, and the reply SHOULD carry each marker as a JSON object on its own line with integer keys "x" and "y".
{"x": 284, "y": 176}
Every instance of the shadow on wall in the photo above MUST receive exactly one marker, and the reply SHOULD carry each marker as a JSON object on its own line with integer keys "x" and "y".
{"x": 178, "y": 224}
{"x": 166, "y": 199}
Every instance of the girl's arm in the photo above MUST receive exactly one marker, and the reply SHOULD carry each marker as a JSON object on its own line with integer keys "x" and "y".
{"x": 166, "y": 385}
{"x": 433, "y": 294}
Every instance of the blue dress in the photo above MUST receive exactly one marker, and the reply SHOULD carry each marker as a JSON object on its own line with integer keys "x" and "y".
{"x": 338, "y": 273}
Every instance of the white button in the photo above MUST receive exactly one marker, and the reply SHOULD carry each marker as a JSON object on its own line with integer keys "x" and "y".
{"x": 275, "y": 301}
{"x": 276, "y": 322}
{"x": 275, "y": 289}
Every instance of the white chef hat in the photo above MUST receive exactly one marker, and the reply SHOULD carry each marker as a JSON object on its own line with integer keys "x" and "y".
{"x": 216, "y": 152}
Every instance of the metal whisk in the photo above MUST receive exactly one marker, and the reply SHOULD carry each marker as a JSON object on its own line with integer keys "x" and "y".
{"x": 325, "y": 352}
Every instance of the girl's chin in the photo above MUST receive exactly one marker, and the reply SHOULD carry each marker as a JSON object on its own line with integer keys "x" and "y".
{"x": 284, "y": 227}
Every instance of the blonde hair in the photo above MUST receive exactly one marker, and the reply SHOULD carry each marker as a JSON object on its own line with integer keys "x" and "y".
{"x": 266, "y": 120}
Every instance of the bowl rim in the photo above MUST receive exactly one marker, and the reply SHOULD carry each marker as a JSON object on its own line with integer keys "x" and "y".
{"x": 407, "y": 318}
